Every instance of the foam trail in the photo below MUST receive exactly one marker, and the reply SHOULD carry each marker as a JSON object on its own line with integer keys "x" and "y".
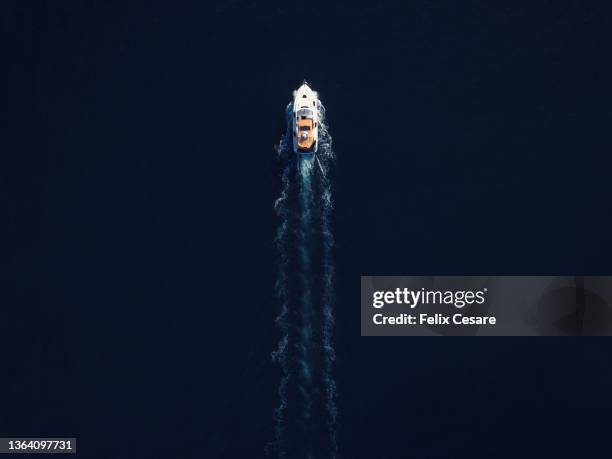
{"x": 305, "y": 357}
{"x": 306, "y": 293}
{"x": 280, "y": 355}
{"x": 327, "y": 157}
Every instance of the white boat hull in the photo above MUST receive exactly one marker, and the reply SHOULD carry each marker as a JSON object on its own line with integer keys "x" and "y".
{"x": 305, "y": 117}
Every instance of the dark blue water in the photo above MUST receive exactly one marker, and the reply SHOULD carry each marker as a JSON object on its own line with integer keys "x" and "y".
{"x": 138, "y": 181}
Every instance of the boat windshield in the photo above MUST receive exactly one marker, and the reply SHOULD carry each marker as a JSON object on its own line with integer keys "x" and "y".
{"x": 304, "y": 113}
{"x": 304, "y": 128}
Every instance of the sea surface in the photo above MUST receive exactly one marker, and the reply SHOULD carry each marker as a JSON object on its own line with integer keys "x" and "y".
{"x": 138, "y": 180}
